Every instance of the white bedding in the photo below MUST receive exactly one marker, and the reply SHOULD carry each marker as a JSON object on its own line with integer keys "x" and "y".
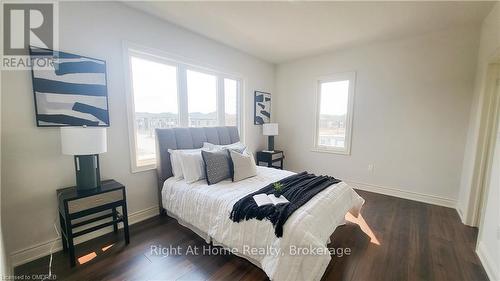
{"x": 206, "y": 210}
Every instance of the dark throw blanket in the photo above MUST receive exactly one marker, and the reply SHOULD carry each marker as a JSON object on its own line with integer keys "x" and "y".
{"x": 298, "y": 189}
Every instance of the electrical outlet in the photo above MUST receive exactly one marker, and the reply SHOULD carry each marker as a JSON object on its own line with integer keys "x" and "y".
{"x": 370, "y": 168}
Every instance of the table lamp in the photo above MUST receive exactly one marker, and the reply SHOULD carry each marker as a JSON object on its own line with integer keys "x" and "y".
{"x": 270, "y": 130}
{"x": 85, "y": 143}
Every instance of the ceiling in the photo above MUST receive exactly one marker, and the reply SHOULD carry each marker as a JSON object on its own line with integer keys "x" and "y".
{"x": 283, "y": 31}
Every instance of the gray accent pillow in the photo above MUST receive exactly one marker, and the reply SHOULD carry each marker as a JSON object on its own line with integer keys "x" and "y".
{"x": 218, "y": 165}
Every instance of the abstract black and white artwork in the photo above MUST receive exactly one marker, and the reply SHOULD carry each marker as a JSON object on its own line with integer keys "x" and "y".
{"x": 262, "y": 109}
{"x": 71, "y": 91}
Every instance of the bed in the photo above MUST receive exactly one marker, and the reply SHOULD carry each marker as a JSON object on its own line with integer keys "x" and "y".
{"x": 301, "y": 254}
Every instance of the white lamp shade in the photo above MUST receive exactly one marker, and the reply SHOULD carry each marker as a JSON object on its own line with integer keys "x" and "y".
{"x": 270, "y": 129}
{"x": 83, "y": 140}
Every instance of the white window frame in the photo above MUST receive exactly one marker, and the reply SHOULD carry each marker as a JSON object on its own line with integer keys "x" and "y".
{"x": 182, "y": 65}
{"x": 351, "y": 76}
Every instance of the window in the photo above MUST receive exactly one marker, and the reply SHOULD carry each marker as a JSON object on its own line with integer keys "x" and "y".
{"x": 202, "y": 99}
{"x": 166, "y": 93}
{"x": 154, "y": 87}
{"x": 230, "y": 102}
{"x": 334, "y": 113}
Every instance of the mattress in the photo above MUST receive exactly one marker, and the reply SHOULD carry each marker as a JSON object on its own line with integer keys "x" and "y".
{"x": 301, "y": 254}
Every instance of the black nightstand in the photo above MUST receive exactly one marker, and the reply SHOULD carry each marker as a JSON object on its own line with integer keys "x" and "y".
{"x": 269, "y": 158}
{"x": 75, "y": 204}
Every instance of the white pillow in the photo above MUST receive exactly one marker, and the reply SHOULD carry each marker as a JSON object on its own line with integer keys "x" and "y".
{"x": 209, "y": 146}
{"x": 243, "y": 165}
{"x": 236, "y": 145}
{"x": 175, "y": 161}
{"x": 193, "y": 168}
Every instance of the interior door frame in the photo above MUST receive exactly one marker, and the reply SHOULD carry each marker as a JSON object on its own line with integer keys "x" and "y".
{"x": 490, "y": 112}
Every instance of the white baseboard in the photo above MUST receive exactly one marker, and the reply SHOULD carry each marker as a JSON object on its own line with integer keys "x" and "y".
{"x": 43, "y": 249}
{"x": 488, "y": 263}
{"x": 415, "y": 196}
{"x": 460, "y": 214}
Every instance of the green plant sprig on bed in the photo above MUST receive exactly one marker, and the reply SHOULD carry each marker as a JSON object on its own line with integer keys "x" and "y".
{"x": 278, "y": 187}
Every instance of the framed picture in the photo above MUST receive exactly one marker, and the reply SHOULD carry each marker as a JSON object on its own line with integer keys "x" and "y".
{"x": 262, "y": 108}
{"x": 70, "y": 91}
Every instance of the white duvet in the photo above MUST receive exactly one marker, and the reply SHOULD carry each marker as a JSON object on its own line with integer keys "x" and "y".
{"x": 206, "y": 209}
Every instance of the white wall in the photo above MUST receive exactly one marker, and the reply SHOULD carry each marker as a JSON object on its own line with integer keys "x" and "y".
{"x": 488, "y": 48}
{"x": 32, "y": 164}
{"x": 3, "y": 256}
{"x": 411, "y": 108}
{"x": 488, "y": 244}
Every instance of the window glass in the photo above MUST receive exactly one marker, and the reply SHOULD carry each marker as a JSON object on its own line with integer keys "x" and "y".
{"x": 333, "y": 116}
{"x": 202, "y": 99}
{"x": 155, "y": 103}
{"x": 230, "y": 102}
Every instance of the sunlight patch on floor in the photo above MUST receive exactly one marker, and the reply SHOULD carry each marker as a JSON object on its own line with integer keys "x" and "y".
{"x": 87, "y": 258}
{"x": 107, "y": 247}
{"x": 364, "y": 226}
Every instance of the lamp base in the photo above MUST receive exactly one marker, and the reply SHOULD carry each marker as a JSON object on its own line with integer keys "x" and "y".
{"x": 270, "y": 143}
{"x": 87, "y": 172}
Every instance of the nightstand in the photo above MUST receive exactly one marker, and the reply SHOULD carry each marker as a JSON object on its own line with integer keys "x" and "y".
{"x": 270, "y": 157}
{"x": 102, "y": 201}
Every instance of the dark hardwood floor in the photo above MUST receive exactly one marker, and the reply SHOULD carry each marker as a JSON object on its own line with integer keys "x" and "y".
{"x": 395, "y": 239}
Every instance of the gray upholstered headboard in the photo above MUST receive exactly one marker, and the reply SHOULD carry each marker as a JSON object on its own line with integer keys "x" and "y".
{"x": 186, "y": 138}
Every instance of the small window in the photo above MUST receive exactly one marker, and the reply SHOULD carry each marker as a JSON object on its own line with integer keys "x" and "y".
{"x": 154, "y": 87}
{"x": 334, "y": 113}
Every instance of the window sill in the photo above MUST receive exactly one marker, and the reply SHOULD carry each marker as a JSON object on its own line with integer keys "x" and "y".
{"x": 330, "y": 151}
{"x": 143, "y": 168}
